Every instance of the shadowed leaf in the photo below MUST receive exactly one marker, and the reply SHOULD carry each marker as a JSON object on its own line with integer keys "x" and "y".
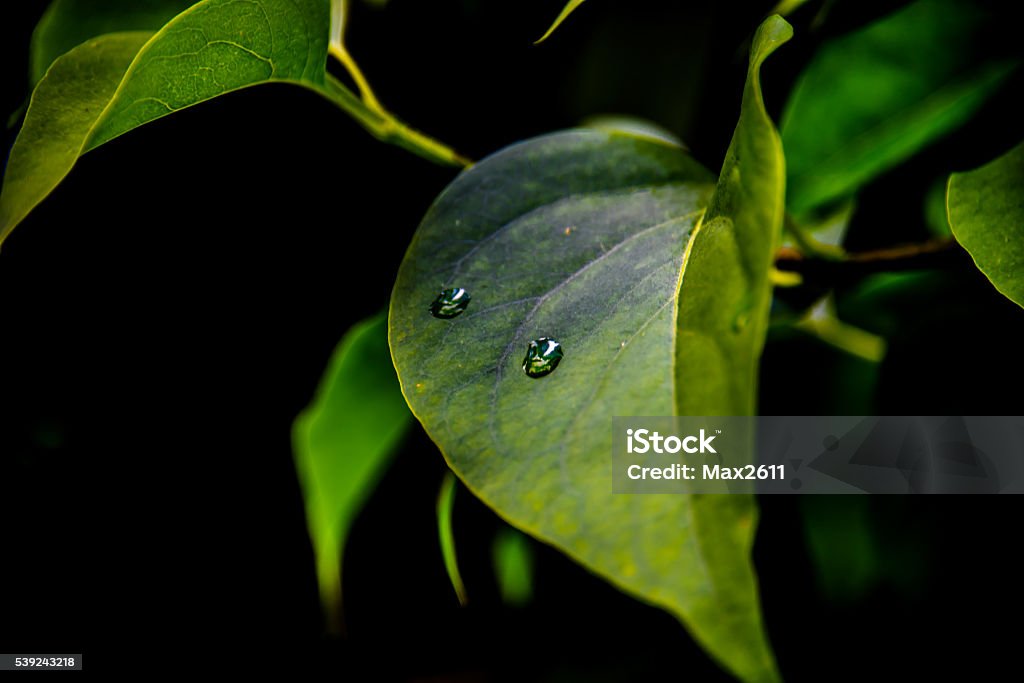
{"x": 579, "y": 237}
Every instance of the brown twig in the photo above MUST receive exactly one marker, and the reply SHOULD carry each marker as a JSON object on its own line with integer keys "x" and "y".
{"x": 937, "y": 253}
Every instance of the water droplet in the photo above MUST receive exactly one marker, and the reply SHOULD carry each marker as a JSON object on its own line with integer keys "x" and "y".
{"x": 542, "y": 357}
{"x": 450, "y": 303}
{"x": 740, "y": 322}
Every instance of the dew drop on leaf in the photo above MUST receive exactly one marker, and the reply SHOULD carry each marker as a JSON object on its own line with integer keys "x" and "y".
{"x": 542, "y": 357}
{"x": 450, "y": 303}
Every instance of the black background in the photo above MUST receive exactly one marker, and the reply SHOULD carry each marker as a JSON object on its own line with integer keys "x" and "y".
{"x": 168, "y": 310}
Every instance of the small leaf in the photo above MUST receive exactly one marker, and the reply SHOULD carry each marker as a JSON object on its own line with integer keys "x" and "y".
{"x": 579, "y": 237}
{"x": 871, "y": 99}
{"x": 569, "y": 8}
{"x": 986, "y": 214}
{"x": 69, "y": 23}
{"x": 843, "y": 546}
{"x": 344, "y": 441}
{"x": 513, "y": 567}
{"x": 446, "y": 536}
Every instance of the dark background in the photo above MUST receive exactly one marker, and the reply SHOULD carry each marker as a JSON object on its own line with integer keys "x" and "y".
{"x": 169, "y": 309}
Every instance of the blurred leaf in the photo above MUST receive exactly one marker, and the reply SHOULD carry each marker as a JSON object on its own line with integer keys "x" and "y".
{"x": 69, "y": 23}
{"x": 889, "y": 304}
{"x": 513, "y": 567}
{"x": 986, "y": 214}
{"x": 822, "y": 322}
{"x": 787, "y": 7}
{"x": 344, "y": 441}
{"x": 569, "y": 8}
{"x": 871, "y": 99}
{"x": 445, "y": 505}
{"x": 935, "y": 217}
{"x": 842, "y": 545}
{"x": 587, "y": 230}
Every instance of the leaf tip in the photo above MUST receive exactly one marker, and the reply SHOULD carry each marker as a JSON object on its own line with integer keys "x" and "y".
{"x": 569, "y": 8}
{"x": 773, "y": 32}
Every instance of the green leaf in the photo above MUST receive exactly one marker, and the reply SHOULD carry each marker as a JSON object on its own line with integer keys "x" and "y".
{"x": 343, "y": 441}
{"x": 569, "y": 8}
{"x": 725, "y": 292}
{"x": 64, "y": 108}
{"x": 446, "y": 536}
{"x": 579, "y": 236}
{"x": 986, "y": 214}
{"x": 872, "y": 98}
{"x": 722, "y": 319}
{"x": 934, "y": 209}
{"x": 215, "y": 47}
{"x": 69, "y": 23}
{"x": 512, "y": 556}
{"x": 840, "y": 538}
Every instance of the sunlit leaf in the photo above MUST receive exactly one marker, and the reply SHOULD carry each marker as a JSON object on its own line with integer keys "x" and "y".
{"x": 69, "y": 23}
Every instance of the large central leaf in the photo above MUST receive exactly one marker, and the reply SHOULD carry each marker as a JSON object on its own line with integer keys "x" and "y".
{"x": 580, "y": 237}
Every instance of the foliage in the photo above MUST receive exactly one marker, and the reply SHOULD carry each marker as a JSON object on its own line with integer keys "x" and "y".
{"x": 343, "y": 442}
{"x": 655, "y": 276}
{"x": 986, "y": 213}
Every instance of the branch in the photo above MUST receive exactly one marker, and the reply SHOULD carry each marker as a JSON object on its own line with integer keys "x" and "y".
{"x": 938, "y": 253}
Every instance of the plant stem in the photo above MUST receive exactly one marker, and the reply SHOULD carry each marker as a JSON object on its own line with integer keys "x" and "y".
{"x": 445, "y": 503}
{"x": 367, "y": 109}
{"x": 339, "y": 52}
{"x": 862, "y": 344}
{"x": 938, "y": 253}
{"x": 809, "y": 245}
